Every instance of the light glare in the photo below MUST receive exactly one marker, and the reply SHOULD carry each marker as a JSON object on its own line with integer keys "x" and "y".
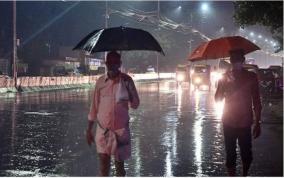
{"x": 204, "y": 7}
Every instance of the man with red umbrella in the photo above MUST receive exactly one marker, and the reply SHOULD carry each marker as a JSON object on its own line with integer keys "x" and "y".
{"x": 240, "y": 90}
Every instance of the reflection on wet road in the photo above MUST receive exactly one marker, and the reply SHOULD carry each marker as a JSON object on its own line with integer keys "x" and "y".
{"x": 175, "y": 132}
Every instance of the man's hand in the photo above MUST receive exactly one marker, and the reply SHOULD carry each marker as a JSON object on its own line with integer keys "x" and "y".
{"x": 90, "y": 137}
{"x": 256, "y": 130}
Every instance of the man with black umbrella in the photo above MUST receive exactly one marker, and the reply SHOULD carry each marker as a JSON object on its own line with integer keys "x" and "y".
{"x": 240, "y": 90}
{"x": 114, "y": 93}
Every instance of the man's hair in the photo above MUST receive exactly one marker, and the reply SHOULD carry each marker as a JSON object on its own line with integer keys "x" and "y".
{"x": 113, "y": 58}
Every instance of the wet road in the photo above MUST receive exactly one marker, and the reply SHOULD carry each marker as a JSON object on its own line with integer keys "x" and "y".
{"x": 175, "y": 132}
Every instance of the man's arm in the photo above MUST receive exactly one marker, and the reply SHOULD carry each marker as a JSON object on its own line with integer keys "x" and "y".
{"x": 256, "y": 106}
{"x": 92, "y": 116}
{"x": 220, "y": 92}
{"x": 133, "y": 95}
{"x": 256, "y": 100}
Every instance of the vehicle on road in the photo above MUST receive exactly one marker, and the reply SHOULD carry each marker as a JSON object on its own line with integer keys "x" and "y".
{"x": 266, "y": 81}
{"x": 251, "y": 67}
{"x": 150, "y": 69}
{"x": 182, "y": 74}
{"x": 200, "y": 76}
{"x": 59, "y": 71}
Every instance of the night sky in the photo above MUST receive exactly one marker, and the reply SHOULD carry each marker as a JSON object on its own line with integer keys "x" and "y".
{"x": 61, "y": 23}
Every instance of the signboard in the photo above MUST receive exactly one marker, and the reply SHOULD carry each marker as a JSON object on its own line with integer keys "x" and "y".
{"x": 94, "y": 63}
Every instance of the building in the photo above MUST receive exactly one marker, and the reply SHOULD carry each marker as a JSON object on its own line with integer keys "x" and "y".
{"x": 22, "y": 67}
{"x": 72, "y": 62}
{"x": 4, "y": 66}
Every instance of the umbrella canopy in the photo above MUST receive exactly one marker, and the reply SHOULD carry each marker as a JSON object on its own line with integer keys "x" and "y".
{"x": 117, "y": 39}
{"x": 219, "y": 48}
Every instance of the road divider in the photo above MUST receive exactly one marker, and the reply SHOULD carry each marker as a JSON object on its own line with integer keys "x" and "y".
{"x": 40, "y": 83}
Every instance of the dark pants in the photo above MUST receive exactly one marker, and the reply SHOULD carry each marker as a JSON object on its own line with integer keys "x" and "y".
{"x": 243, "y": 135}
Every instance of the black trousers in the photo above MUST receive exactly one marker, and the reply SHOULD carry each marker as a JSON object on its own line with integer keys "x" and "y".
{"x": 244, "y": 138}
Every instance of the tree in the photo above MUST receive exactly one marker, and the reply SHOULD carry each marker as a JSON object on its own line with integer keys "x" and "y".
{"x": 266, "y": 13}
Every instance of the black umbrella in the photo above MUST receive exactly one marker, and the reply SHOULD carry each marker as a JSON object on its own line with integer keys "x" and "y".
{"x": 117, "y": 39}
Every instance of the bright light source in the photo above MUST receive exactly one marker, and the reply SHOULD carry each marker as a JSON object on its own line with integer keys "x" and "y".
{"x": 204, "y": 7}
{"x": 197, "y": 80}
{"x": 217, "y": 76}
{"x": 254, "y": 41}
{"x": 259, "y": 36}
{"x": 180, "y": 77}
{"x": 266, "y": 40}
{"x": 203, "y": 87}
{"x": 177, "y": 10}
{"x": 251, "y": 34}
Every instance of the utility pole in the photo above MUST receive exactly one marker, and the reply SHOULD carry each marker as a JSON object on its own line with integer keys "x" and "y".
{"x": 14, "y": 44}
{"x": 106, "y": 15}
{"x": 106, "y": 26}
{"x": 157, "y": 55}
{"x": 190, "y": 34}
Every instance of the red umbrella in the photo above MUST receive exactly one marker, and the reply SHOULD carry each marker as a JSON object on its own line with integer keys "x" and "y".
{"x": 219, "y": 48}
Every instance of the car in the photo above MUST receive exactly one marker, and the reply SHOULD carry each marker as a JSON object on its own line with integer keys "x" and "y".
{"x": 251, "y": 67}
{"x": 266, "y": 81}
{"x": 182, "y": 74}
{"x": 200, "y": 76}
{"x": 59, "y": 71}
{"x": 150, "y": 69}
{"x": 275, "y": 67}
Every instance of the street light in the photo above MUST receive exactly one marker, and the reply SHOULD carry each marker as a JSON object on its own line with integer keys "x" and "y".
{"x": 204, "y": 10}
{"x": 251, "y": 34}
{"x": 204, "y": 7}
{"x": 190, "y": 45}
{"x": 48, "y": 46}
{"x": 177, "y": 11}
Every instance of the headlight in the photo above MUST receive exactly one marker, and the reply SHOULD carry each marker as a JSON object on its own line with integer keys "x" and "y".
{"x": 197, "y": 80}
{"x": 217, "y": 76}
{"x": 180, "y": 77}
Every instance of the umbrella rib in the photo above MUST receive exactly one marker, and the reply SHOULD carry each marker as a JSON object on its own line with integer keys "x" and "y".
{"x": 93, "y": 41}
{"x": 124, "y": 39}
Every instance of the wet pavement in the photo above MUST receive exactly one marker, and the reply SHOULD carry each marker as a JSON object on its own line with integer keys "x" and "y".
{"x": 175, "y": 132}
